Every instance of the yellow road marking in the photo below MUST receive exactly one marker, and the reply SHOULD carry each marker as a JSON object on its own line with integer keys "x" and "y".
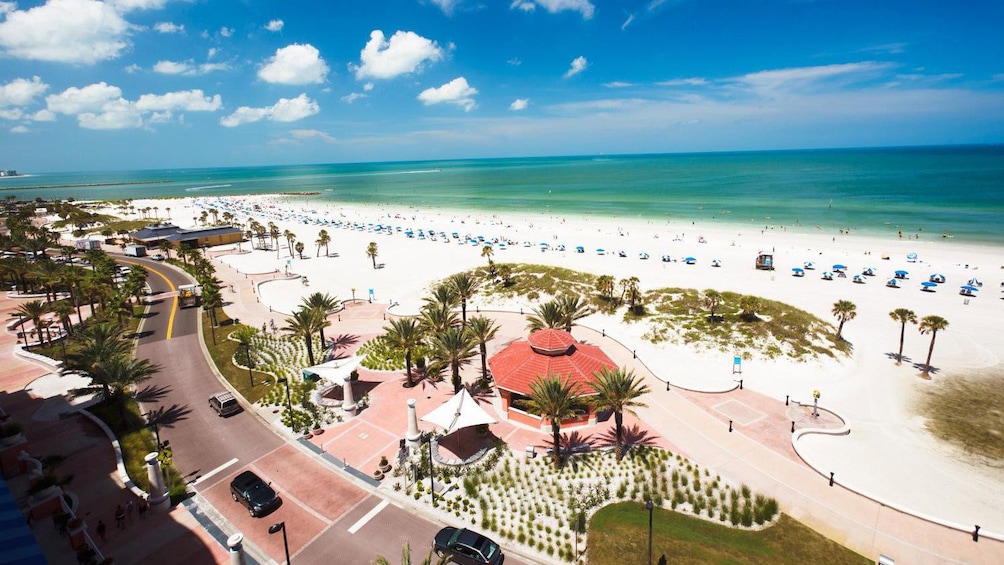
{"x": 174, "y": 304}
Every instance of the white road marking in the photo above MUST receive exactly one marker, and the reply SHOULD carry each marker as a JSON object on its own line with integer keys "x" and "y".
{"x": 214, "y": 471}
{"x": 369, "y": 516}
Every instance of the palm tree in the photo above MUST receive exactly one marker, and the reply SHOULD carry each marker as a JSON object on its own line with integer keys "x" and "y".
{"x": 749, "y": 304}
{"x": 404, "y": 334}
{"x": 245, "y": 347}
{"x": 455, "y": 347}
{"x": 34, "y": 310}
{"x": 618, "y": 390}
{"x": 290, "y": 238}
{"x": 483, "y": 330}
{"x": 546, "y": 316}
{"x": 630, "y": 286}
{"x": 572, "y": 309}
{"x": 712, "y": 300}
{"x": 605, "y": 286}
{"x": 437, "y": 319}
{"x": 323, "y": 239}
{"x": 488, "y": 251}
{"x": 372, "y": 252}
{"x": 465, "y": 287}
{"x": 444, "y": 295}
{"x": 323, "y": 303}
{"x": 299, "y": 246}
{"x": 304, "y": 323}
{"x": 556, "y": 399}
{"x": 904, "y": 316}
{"x": 845, "y": 311}
{"x": 931, "y": 325}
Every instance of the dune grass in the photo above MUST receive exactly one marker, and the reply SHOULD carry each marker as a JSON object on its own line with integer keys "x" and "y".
{"x": 223, "y": 353}
{"x": 968, "y": 412}
{"x": 618, "y": 534}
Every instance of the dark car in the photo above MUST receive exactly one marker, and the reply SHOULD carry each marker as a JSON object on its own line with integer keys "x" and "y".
{"x": 255, "y": 494}
{"x": 467, "y": 547}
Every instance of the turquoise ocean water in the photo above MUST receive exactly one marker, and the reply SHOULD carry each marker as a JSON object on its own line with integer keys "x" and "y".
{"x": 930, "y": 189}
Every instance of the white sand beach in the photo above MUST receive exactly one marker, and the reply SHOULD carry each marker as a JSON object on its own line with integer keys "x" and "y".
{"x": 888, "y": 454}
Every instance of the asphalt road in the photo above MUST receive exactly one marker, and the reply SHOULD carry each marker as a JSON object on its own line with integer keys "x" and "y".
{"x": 329, "y": 518}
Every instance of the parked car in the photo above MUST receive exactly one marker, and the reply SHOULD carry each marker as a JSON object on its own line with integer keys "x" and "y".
{"x": 158, "y": 257}
{"x": 254, "y": 494}
{"x": 224, "y": 403}
{"x": 467, "y": 547}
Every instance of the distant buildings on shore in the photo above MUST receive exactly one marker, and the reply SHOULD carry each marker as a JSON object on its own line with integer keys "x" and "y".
{"x": 9, "y": 173}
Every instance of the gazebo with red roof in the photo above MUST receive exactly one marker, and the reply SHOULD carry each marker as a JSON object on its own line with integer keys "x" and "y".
{"x": 543, "y": 353}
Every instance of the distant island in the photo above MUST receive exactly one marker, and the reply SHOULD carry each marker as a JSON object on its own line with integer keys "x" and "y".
{"x": 9, "y": 173}
{"x": 85, "y": 185}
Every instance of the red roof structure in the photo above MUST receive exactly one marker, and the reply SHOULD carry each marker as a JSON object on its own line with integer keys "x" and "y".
{"x": 545, "y": 352}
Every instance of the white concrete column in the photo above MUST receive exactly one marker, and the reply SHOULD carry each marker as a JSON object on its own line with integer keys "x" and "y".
{"x": 160, "y": 502}
{"x": 348, "y": 400}
{"x": 235, "y": 545}
{"x": 412, "y": 435}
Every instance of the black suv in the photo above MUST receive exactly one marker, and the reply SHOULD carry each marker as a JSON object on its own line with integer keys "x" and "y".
{"x": 254, "y": 493}
{"x": 467, "y": 547}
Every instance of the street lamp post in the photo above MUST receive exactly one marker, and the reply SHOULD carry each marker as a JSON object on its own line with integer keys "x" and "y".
{"x": 650, "y": 506}
{"x": 289, "y": 403}
{"x": 276, "y": 528}
{"x": 432, "y": 478}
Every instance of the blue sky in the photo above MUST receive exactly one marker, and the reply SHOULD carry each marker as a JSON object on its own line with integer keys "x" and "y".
{"x": 136, "y": 84}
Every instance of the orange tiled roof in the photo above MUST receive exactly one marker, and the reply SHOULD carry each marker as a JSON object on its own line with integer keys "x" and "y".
{"x": 516, "y": 366}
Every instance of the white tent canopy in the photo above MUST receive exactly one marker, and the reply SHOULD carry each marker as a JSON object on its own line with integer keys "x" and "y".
{"x": 335, "y": 371}
{"x": 461, "y": 411}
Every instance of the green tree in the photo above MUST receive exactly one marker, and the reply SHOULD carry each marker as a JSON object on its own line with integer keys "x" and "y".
{"x": 290, "y": 238}
{"x": 33, "y": 310}
{"x": 299, "y": 248}
{"x": 572, "y": 309}
{"x": 437, "y": 319}
{"x": 404, "y": 334}
{"x": 712, "y": 301}
{"x": 605, "y": 286}
{"x": 555, "y": 398}
{"x": 488, "y": 251}
{"x": 904, "y": 316}
{"x": 631, "y": 291}
{"x": 324, "y": 303}
{"x": 304, "y": 323}
{"x": 323, "y": 239}
{"x": 749, "y": 304}
{"x": 483, "y": 330}
{"x": 372, "y": 252}
{"x": 844, "y": 311}
{"x": 546, "y": 316}
{"x": 931, "y": 325}
{"x": 444, "y": 295}
{"x": 454, "y": 347}
{"x": 618, "y": 390}
{"x": 465, "y": 287}
{"x": 245, "y": 336}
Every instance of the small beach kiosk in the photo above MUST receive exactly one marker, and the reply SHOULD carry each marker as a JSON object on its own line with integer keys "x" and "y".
{"x": 765, "y": 262}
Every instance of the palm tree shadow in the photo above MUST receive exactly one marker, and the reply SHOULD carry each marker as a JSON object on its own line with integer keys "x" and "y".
{"x": 632, "y": 436}
{"x": 893, "y": 356}
{"x": 152, "y": 393}
{"x": 921, "y": 367}
{"x": 168, "y": 416}
{"x": 344, "y": 341}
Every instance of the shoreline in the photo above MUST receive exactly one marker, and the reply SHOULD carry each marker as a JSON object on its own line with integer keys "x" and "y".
{"x": 83, "y": 185}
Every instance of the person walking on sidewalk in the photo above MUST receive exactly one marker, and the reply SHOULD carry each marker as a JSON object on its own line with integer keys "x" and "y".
{"x": 129, "y": 507}
{"x": 101, "y": 531}
{"x": 120, "y": 517}
{"x": 144, "y": 506}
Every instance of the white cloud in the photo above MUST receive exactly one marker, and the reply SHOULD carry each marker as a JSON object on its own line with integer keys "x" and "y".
{"x": 311, "y": 134}
{"x": 132, "y": 68}
{"x": 352, "y": 97}
{"x": 368, "y": 87}
{"x": 446, "y": 6}
{"x": 19, "y": 129}
{"x": 172, "y": 68}
{"x": 226, "y": 31}
{"x": 206, "y": 68}
{"x": 627, "y": 22}
{"x": 457, "y": 91}
{"x": 694, "y": 81}
{"x": 285, "y": 110}
{"x": 584, "y": 7}
{"x": 295, "y": 64}
{"x": 101, "y": 106}
{"x": 188, "y": 100}
{"x": 579, "y": 64}
{"x": 66, "y": 31}
{"x": 515, "y": 62}
{"x": 783, "y": 81}
{"x": 274, "y": 25}
{"x": 43, "y": 115}
{"x": 21, "y": 91}
{"x": 885, "y": 48}
{"x": 404, "y": 53}
{"x": 7, "y": 7}
{"x": 130, "y": 5}
{"x": 168, "y": 27}
{"x": 212, "y": 52}
{"x": 519, "y": 104}
{"x": 618, "y": 84}
{"x": 11, "y": 114}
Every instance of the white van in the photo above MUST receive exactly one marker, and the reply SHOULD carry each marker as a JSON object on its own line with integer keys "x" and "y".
{"x": 224, "y": 403}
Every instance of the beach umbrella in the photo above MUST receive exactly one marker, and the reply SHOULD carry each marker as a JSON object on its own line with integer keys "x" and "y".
{"x": 911, "y": 257}
{"x": 543, "y": 244}
{"x": 827, "y": 276}
{"x": 580, "y": 249}
{"x": 600, "y": 251}
{"x": 798, "y": 270}
{"x": 893, "y": 283}
{"x": 901, "y": 274}
{"x": 839, "y": 267}
{"x": 859, "y": 279}
{"x": 975, "y": 282}
{"x": 970, "y": 288}
{"x": 716, "y": 263}
{"x": 809, "y": 265}
{"x": 666, "y": 258}
{"x": 937, "y": 278}
{"x": 870, "y": 271}
{"x": 690, "y": 260}
{"x": 928, "y": 284}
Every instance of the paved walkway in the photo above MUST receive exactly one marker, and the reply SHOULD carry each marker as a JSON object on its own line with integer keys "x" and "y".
{"x": 32, "y": 395}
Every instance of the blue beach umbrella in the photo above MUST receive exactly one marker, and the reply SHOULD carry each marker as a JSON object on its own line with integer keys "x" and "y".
{"x": 893, "y": 283}
{"x": 809, "y": 265}
{"x": 600, "y": 251}
{"x": 798, "y": 270}
{"x": 970, "y": 288}
{"x": 839, "y": 267}
{"x": 690, "y": 260}
{"x": 937, "y": 278}
{"x": 928, "y": 285}
{"x": 901, "y": 274}
{"x": 911, "y": 257}
{"x": 580, "y": 249}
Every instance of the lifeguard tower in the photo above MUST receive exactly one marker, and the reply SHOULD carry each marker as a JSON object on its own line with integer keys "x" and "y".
{"x": 765, "y": 262}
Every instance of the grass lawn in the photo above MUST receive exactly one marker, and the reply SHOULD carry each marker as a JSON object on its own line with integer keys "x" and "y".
{"x": 619, "y": 534}
{"x": 223, "y": 353}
